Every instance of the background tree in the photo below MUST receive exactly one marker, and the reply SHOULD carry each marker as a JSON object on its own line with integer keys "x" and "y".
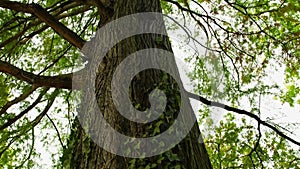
{"x": 39, "y": 51}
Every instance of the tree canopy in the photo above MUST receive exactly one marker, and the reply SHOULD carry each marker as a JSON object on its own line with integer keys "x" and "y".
{"x": 249, "y": 57}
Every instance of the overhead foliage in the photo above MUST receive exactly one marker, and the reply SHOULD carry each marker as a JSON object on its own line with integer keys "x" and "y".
{"x": 247, "y": 43}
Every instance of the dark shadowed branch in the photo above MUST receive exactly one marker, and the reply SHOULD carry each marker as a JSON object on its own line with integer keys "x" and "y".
{"x": 60, "y": 81}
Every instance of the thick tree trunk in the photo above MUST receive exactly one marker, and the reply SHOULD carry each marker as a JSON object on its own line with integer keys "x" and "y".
{"x": 82, "y": 152}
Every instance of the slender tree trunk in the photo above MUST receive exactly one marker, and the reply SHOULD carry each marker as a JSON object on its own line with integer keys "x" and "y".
{"x": 82, "y": 152}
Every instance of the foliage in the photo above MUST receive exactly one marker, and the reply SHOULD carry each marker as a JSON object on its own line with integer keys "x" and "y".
{"x": 247, "y": 42}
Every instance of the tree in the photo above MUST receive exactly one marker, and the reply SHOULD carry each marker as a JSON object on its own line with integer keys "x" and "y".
{"x": 188, "y": 154}
{"x": 43, "y": 39}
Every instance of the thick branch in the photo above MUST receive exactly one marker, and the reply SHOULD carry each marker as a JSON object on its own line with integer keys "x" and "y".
{"x": 57, "y": 15}
{"x": 60, "y": 81}
{"x": 44, "y": 16}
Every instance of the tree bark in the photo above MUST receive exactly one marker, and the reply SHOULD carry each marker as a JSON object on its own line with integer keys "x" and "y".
{"x": 83, "y": 153}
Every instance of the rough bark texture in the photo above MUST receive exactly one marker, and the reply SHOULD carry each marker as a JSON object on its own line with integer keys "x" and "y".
{"x": 83, "y": 153}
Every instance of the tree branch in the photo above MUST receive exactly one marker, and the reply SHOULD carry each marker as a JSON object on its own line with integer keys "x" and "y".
{"x": 60, "y": 81}
{"x": 44, "y": 16}
{"x": 30, "y": 151}
{"x": 18, "y": 99}
{"x": 47, "y": 108}
{"x": 58, "y": 15}
{"x": 57, "y": 131}
{"x": 243, "y": 112}
{"x": 17, "y": 117}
